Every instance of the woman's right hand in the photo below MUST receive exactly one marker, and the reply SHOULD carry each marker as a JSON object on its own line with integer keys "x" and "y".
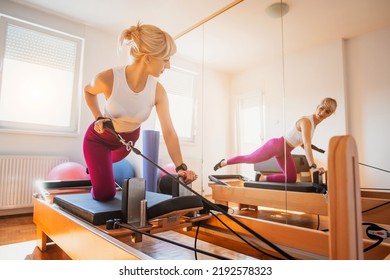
{"x": 98, "y": 126}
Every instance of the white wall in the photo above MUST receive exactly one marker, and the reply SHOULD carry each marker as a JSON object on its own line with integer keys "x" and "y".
{"x": 218, "y": 123}
{"x": 368, "y": 75}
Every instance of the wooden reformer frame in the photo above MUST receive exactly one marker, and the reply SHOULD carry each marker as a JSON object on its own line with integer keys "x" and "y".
{"x": 344, "y": 240}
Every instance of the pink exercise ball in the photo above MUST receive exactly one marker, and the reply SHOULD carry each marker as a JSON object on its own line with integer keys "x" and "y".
{"x": 68, "y": 171}
{"x": 169, "y": 167}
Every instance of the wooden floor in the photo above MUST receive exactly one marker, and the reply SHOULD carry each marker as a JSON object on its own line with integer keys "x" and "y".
{"x": 15, "y": 229}
{"x": 18, "y": 240}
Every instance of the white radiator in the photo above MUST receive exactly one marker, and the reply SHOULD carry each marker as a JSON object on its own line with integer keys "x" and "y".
{"x": 19, "y": 176}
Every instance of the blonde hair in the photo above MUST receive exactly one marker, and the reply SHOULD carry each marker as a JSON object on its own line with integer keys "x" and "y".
{"x": 148, "y": 39}
{"x": 330, "y": 104}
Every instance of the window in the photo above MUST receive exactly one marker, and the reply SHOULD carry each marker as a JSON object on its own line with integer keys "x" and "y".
{"x": 39, "y": 76}
{"x": 179, "y": 85}
{"x": 250, "y": 128}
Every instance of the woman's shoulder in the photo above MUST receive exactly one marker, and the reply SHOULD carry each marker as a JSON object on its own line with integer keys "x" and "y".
{"x": 103, "y": 80}
{"x": 306, "y": 118}
{"x": 303, "y": 118}
{"x": 304, "y": 121}
{"x": 111, "y": 71}
{"x": 106, "y": 75}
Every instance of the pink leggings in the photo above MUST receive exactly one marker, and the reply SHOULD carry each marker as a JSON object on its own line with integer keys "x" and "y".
{"x": 272, "y": 148}
{"x": 100, "y": 151}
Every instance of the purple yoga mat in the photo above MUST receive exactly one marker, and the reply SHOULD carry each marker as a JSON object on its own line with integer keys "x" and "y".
{"x": 151, "y": 144}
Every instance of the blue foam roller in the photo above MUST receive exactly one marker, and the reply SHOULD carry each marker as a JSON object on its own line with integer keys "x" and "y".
{"x": 151, "y": 144}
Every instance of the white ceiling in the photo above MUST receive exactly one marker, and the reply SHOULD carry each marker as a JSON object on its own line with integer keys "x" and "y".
{"x": 241, "y": 36}
{"x": 246, "y": 35}
{"x": 113, "y": 16}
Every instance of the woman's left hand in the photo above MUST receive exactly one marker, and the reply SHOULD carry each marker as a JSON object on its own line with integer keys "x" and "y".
{"x": 188, "y": 176}
{"x": 321, "y": 170}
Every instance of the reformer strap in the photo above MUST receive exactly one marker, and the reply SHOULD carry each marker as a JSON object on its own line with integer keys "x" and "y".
{"x": 317, "y": 149}
{"x": 129, "y": 145}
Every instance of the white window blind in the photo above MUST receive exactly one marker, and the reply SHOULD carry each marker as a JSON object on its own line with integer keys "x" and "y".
{"x": 39, "y": 78}
{"x": 39, "y": 48}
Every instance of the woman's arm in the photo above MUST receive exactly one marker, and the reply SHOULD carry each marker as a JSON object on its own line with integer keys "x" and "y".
{"x": 169, "y": 133}
{"x": 101, "y": 84}
{"x": 304, "y": 125}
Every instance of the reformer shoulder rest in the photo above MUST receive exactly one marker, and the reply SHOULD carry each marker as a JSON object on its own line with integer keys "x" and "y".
{"x": 66, "y": 184}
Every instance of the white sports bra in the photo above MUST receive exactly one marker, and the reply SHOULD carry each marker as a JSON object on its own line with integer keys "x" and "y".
{"x": 127, "y": 109}
{"x": 294, "y": 137}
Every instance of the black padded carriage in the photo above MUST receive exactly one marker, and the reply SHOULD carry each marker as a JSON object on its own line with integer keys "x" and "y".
{"x": 96, "y": 212}
{"x": 318, "y": 185}
{"x": 301, "y": 164}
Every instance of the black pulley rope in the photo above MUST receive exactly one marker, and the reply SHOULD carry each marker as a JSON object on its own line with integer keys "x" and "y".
{"x": 364, "y": 164}
{"x": 374, "y": 167}
{"x": 129, "y": 145}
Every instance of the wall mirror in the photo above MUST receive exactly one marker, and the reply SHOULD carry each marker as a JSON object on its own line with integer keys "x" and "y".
{"x": 338, "y": 49}
{"x": 221, "y": 58}
{"x": 260, "y": 73}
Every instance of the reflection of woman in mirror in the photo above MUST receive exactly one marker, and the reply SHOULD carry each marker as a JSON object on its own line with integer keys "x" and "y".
{"x": 300, "y": 134}
{"x": 131, "y": 91}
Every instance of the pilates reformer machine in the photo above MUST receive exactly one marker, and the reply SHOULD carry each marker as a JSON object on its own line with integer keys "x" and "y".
{"x": 87, "y": 229}
{"x": 249, "y": 194}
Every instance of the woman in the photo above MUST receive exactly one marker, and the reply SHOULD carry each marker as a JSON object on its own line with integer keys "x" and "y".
{"x": 300, "y": 134}
{"x": 130, "y": 91}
